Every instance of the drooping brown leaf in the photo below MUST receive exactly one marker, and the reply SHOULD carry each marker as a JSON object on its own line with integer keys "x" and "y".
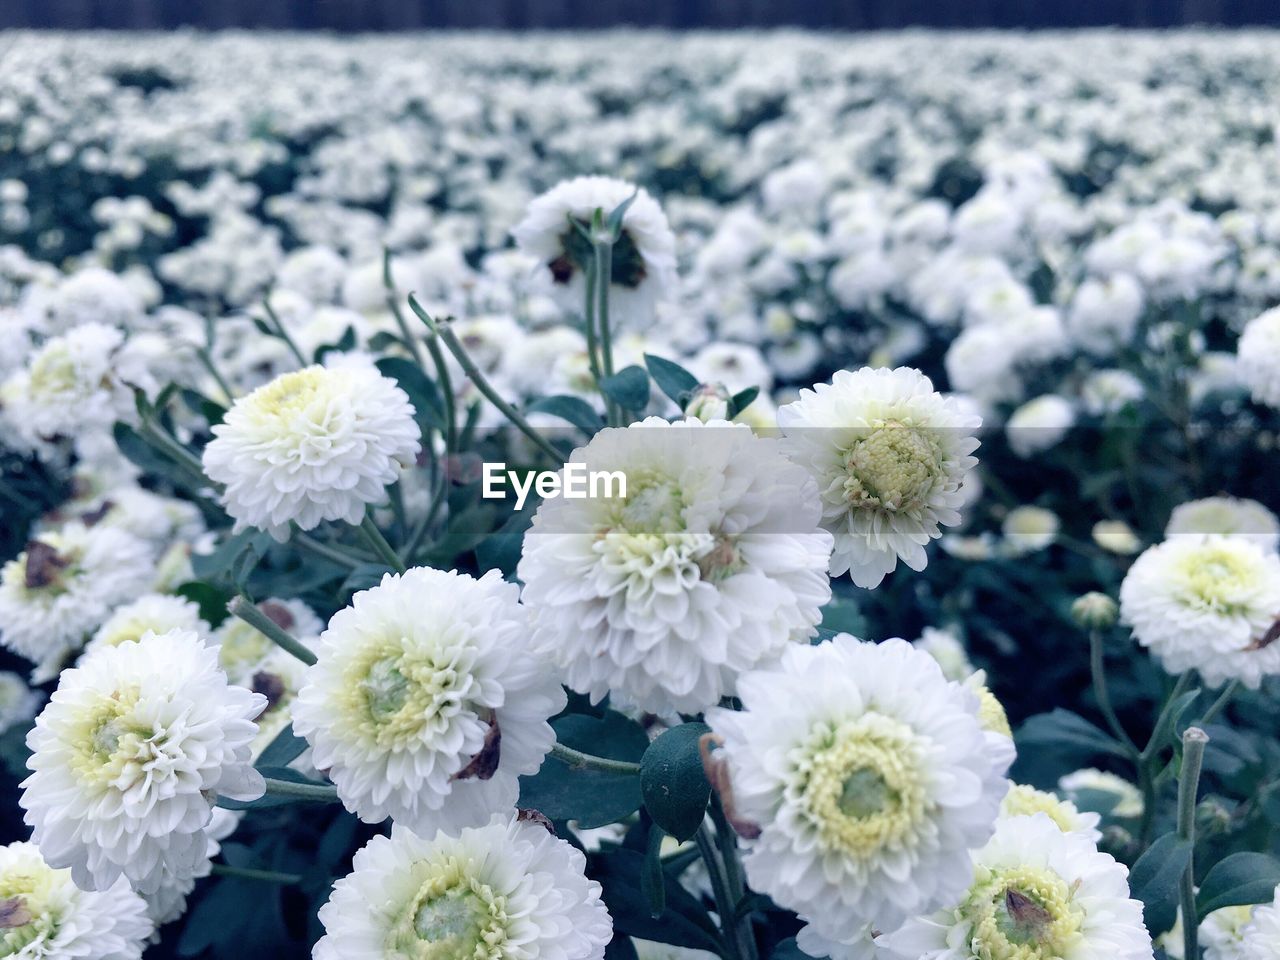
{"x": 43, "y": 565}
{"x": 485, "y": 763}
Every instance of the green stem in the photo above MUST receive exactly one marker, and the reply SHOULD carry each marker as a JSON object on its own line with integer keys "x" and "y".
{"x": 241, "y": 607}
{"x": 482, "y": 384}
{"x": 1146, "y": 775}
{"x": 1219, "y": 704}
{"x": 587, "y": 761}
{"x": 250, "y": 873}
{"x": 393, "y": 305}
{"x": 442, "y": 377}
{"x": 720, "y": 889}
{"x": 603, "y": 261}
{"x": 328, "y": 552}
{"x": 1097, "y": 667}
{"x": 379, "y": 544}
{"x": 319, "y": 792}
{"x": 174, "y": 450}
{"x": 1193, "y": 744}
{"x": 725, "y": 839}
{"x": 206, "y": 360}
{"x": 283, "y": 333}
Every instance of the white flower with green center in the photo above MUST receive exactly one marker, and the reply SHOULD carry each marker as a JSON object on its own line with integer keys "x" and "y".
{"x": 47, "y": 917}
{"x": 871, "y": 778}
{"x": 643, "y": 263}
{"x": 1208, "y": 604}
{"x": 711, "y": 564}
{"x": 76, "y": 385}
{"x": 889, "y": 455}
{"x": 427, "y": 704}
{"x": 1260, "y": 940}
{"x": 509, "y": 890}
{"x": 312, "y": 445}
{"x": 129, "y": 756}
{"x": 151, "y": 613}
{"x": 1037, "y": 893}
{"x": 1232, "y": 516}
{"x": 1023, "y": 800}
{"x": 63, "y": 585}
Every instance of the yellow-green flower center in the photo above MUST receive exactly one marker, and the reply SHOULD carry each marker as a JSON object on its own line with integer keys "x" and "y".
{"x": 1216, "y": 578}
{"x": 895, "y": 467}
{"x": 453, "y": 916}
{"x": 1022, "y": 913}
{"x": 288, "y": 394}
{"x": 861, "y": 786}
{"x": 394, "y": 696}
{"x": 110, "y": 742}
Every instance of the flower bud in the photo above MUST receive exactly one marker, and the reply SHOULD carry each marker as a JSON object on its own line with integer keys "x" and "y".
{"x": 709, "y": 402}
{"x": 1094, "y": 610}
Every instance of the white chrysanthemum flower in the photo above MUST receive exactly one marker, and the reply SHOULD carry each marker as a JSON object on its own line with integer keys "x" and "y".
{"x": 507, "y": 890}
{"x": 49, "y": 918}
{"x": 644, "y": 260}
{"x": 18, "y": 702}
{"x": 871, "y": 778}
{"x": 1039, "y": 424}
{"x": 889, "y": 455}
{"x": 1222, "y": 933}
{"x": 63, "y": 586}
{"x": 151, "y": 613}
{"x": 1107, "y": 392}
{"x": 1122, "y": 797}
{"x": 945, "y": 647}
{"x": 1028, "y": 529}
{"x": 312, "y": 445}
{"x": 1037, "y": 894}
{"x": 711, "y": 564}
{"x": 1208, "y": 604}
{"x": 1104, "y": 314}
{"x": 1260, "y": 940}
{"x": 1229, "y": 516}
{"x": 426, "y": 704}
{"x": 74, "y": 384}
{"x": 1258, "y": 351}
{"x": 129, "y": 756}
{"x": 1116, "y": 536}
{"x": 1023, "y": 801}
{"x": 242, "y": 649}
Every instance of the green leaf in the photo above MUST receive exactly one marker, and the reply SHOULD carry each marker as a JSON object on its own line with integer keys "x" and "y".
{"x": 223, "y": 561}
{"x": 741, "y": 400}
{"x": 629, "y": 388}
{"x": 653, "y": 883}
{"x": 684, "y": 922}
{"x": 674, "y": 786}
{"x": 672, "y": 379}
{"x": 619, "y": 212}
{"x": 346, "y": 343}
{"x": 283, "y": 750}
{"x": 591, "y": 797}
{"x": 842, "y": 615}
{"x": 211, "y": 600}
{"x": 422, "y": 390}
{"x": 1241, "y": 878}
{"x": 574, "y": 410}
{"x": 1155, "y": 879}
{"x": 1061, "y": 731}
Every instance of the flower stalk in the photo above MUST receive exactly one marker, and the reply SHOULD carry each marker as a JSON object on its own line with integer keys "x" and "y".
{"x": 1193, "y": 745}
{"x": 247, "y": 611}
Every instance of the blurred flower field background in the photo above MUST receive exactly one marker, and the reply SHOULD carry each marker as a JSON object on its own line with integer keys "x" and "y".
{"x": 970, "y": 340}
